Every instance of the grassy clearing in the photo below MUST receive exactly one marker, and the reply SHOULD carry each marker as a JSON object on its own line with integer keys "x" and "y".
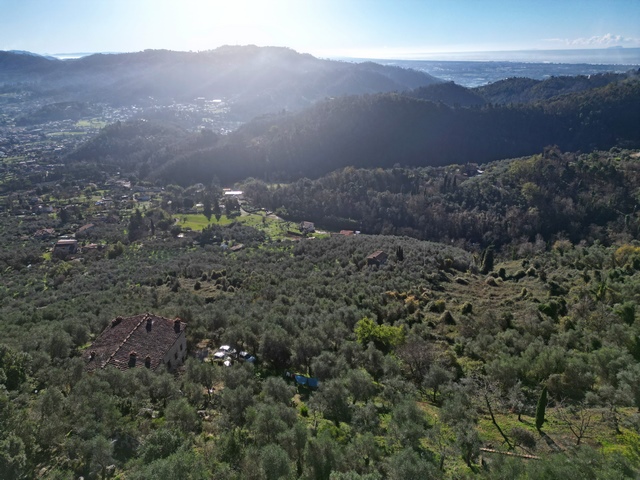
{"x": 64, "y": 134}
{"x": 274, "y": 228}
{"x": 197, "y": 221}
{"x": 93, "y": 123}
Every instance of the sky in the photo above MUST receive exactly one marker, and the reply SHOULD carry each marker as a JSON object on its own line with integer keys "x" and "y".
{"x": 408, "y": 29}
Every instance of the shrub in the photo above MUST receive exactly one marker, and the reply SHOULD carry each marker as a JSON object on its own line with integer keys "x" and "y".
{"x": 466, "y": 308}
{"x": 554, "y": 308}
{"x": 626, "y": 311}
{"x": 447, "y": 318}
{"x": 556, "y": 290}
{"x": 519, "y": 274}
{"x": 522, "y": 436}
{"x": 437, "y": 306}
{"x": 383, "y": 336}
{"x": 115, "y": 251}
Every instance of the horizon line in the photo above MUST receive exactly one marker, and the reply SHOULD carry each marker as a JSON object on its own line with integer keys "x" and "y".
{"x": 469, "y": 56}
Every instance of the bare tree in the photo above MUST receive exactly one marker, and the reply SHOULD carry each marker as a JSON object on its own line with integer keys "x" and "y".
{"x": 578, "y": 418}
{"x": 490, "y": 394}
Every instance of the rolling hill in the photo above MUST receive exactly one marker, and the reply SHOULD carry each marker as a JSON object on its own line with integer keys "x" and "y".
{"x": 255, "y": 80}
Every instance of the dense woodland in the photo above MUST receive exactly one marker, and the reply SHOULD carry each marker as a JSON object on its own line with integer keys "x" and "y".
{"x": 499, "y": 339}
{"x": 508, "y": 203}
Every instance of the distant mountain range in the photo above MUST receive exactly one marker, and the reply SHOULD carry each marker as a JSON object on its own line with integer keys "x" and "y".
{"x": 254, "y": 79}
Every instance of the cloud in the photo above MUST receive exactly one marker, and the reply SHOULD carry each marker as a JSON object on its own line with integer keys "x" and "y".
{"x": 606, "y": 40}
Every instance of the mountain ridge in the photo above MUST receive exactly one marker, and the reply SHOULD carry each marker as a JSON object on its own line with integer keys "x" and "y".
{"x": 255, "y": 80}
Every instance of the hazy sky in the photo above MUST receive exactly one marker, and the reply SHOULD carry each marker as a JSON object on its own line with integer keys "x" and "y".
{"x": 356, "y": 28}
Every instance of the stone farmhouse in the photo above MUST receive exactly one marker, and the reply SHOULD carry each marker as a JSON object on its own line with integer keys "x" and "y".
{"x": 66, "y": 246}
{"x": 377, "y": 258}
{"x": 141, "y": 341}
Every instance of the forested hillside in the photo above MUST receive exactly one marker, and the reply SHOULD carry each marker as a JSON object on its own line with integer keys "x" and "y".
{"x": 432, "y": 126}
{"x": 450, "y": 94}
{"x": 509, "y": 203}
{"x": 386, "y": 130}
{"x": 422, "y": 361}
{"x": 526, "y": 90}
{"x": 516, "y": 90}
{"x": 138, "y": 145}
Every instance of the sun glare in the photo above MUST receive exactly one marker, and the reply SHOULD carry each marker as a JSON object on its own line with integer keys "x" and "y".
{"x": 202, "y": 25}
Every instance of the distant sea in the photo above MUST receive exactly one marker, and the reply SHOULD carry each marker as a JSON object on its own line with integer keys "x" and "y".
{"x": 479, "y": 68}
{"x": 73, "y": 56}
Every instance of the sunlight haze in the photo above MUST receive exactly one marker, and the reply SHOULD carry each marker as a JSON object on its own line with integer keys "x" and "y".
{"x": 364, "y": 29}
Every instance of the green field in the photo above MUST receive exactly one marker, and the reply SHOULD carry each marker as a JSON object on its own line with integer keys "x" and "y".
{"x": 93, "y": 123}
{"x": 198, "y": 221}
{"x": 9, "y": 160}
{"x": 274, "y": 228}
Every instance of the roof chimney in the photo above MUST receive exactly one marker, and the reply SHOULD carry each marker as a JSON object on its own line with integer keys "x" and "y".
{"x": 132, "y": 359}
{"x": 176, "y": 325}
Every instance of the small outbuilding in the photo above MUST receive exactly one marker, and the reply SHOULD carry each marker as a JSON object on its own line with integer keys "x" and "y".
{"x": 66, "y": 246}
{"x": 377, "y": 258}
{"x": 307, "y": 227}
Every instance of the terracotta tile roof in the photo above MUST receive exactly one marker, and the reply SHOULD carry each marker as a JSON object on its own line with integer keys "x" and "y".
{"x": 377, "y": 258}
{"x": 377, "y": 255}
{"x": 144, "y": 335}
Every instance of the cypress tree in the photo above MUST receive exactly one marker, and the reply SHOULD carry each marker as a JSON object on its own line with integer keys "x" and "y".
{"x": 207, "y": 208}
{"x": 540, "y": 409}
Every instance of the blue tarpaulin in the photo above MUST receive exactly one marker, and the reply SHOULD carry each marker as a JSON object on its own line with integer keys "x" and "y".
{"x": 311, "y": 382}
